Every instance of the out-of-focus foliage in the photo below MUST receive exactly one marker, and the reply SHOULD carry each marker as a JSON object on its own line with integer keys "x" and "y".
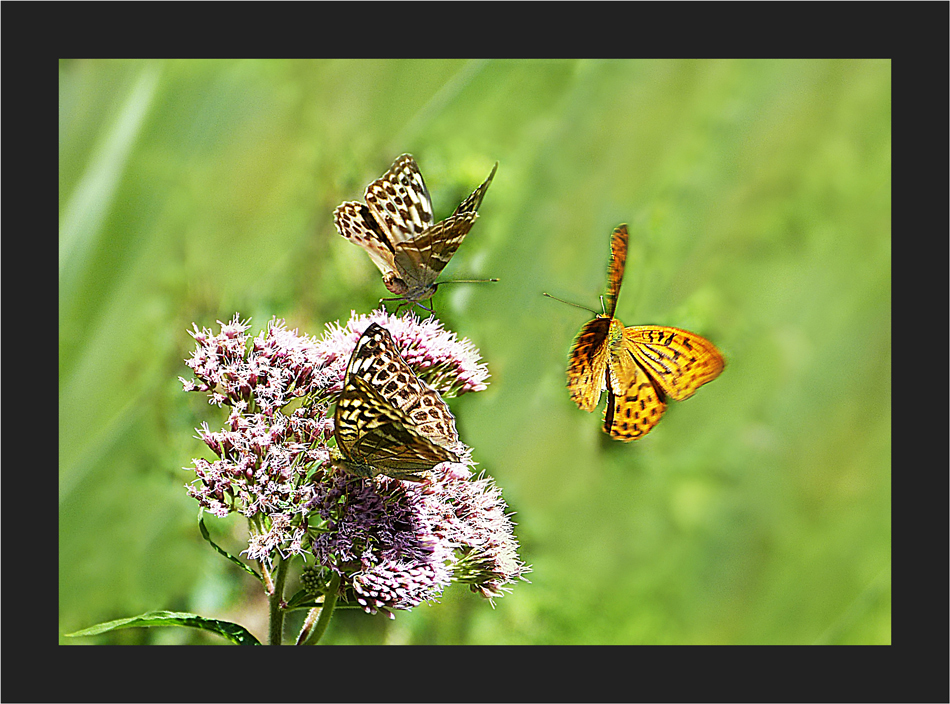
{"x": 758, "y": 199}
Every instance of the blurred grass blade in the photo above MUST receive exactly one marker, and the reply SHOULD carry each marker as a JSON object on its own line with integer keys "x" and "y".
{"x": 449, "y": 91}
{"x": 89, "y": 204}
{"x": 231, "y": 631}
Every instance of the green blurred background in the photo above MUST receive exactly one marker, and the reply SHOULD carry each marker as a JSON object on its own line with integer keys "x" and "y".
{"x": 758, "y": 199}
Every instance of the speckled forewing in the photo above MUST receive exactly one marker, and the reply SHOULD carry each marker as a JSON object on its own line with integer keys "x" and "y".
{"x": 354, "y": 221}
{"x": 375, "y": 437}
{"x": 400, "y": 202}
{"x": 377, "y": 361}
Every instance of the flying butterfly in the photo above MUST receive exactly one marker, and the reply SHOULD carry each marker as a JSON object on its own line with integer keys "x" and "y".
{"x": 387, "y": 420}
{"x": 395, "y": 228}
{"x": 639, "y": 366}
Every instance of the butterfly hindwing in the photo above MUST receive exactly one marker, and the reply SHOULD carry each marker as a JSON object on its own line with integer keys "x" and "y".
{"x": 633, "y": 413}
{"x": 421, "y": 261}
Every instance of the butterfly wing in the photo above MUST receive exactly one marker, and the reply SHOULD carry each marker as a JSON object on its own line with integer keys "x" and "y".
{"x": 587, "y": 371}
{"x": 387, "y": 419}
{"x": 420, "y": 261}
{"x": 470, "y": 204}
{"x": 400, "y": 202}
{"x": 375, "y": 437}
{"x": 618, "y": 261}
{"x": 377, "y": 360}
{"x": 354, "y": 221}
{"x": 679, "y": 361}
{"x": 632, "y": 413}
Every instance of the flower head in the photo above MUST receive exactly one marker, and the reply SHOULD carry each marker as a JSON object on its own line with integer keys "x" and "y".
{"x": 447, "y": 364}
{"x": 393, "y": 543}
{"x": 397, "y": 544}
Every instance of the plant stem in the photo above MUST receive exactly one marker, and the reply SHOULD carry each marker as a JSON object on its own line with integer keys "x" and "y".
{"x": 276, "y": 635}
{"x": 312, "y": 632}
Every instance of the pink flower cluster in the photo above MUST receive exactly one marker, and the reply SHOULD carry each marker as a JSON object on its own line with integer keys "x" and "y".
{"x": 395, "y": 544}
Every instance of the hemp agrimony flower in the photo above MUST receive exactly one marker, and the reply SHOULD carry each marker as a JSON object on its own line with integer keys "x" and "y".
{"x": 379, "y": 543}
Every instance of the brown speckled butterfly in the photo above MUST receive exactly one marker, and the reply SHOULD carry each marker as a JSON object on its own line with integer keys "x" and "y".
{"x": 387, "y": 420}
{"x": 638, "y": 366}
{"x": 395, "y": 228}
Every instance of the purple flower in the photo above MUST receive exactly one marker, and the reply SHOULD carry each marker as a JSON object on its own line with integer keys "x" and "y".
{"x": 397, "y": 544}
{"x": 394, "y": 544}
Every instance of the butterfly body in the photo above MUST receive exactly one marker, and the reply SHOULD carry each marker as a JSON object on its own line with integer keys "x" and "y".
{"x": 387, "y": 420}
{"x": 395, "y": 228}
{"x": 638, "y": 366}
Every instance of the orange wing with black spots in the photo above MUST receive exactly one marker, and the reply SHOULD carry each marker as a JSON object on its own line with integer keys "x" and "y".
{"x": 618, "y": 262}
{"x": 587, "y": 372}
{"x": 639, "y": 366}
{"x": 633, "y": 413}
{"x": 679, "y": 361}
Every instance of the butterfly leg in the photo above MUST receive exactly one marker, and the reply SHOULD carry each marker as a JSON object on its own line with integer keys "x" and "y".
{"x": 402, "y": 302}
{"x": 431, "y": 310}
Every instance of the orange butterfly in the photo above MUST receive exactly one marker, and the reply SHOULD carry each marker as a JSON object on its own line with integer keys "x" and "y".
{"x": 639, "y": 366}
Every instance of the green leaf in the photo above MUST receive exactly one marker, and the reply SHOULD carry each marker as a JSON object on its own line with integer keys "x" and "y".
{"x": 231, "y": 631}
{"x": 302, "y": 600}
{"x": 232, "y": 558}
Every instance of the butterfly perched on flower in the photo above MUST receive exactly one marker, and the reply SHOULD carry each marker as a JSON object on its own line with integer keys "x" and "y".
{"x": 395, "y": 228}
{"x": 639, "y": 366}
{"x": 387, "y": 420}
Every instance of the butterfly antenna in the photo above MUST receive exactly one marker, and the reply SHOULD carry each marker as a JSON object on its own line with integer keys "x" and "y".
{"x": 576, "y": 305}
{"x": 467, "y": 281}
{"x": 435, "y": 286}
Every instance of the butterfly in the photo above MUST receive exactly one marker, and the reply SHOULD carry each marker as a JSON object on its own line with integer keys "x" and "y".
{"x": 387, "y": 420}
{"x": 395, "y": 228}
{"x": 639, "y": 366}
